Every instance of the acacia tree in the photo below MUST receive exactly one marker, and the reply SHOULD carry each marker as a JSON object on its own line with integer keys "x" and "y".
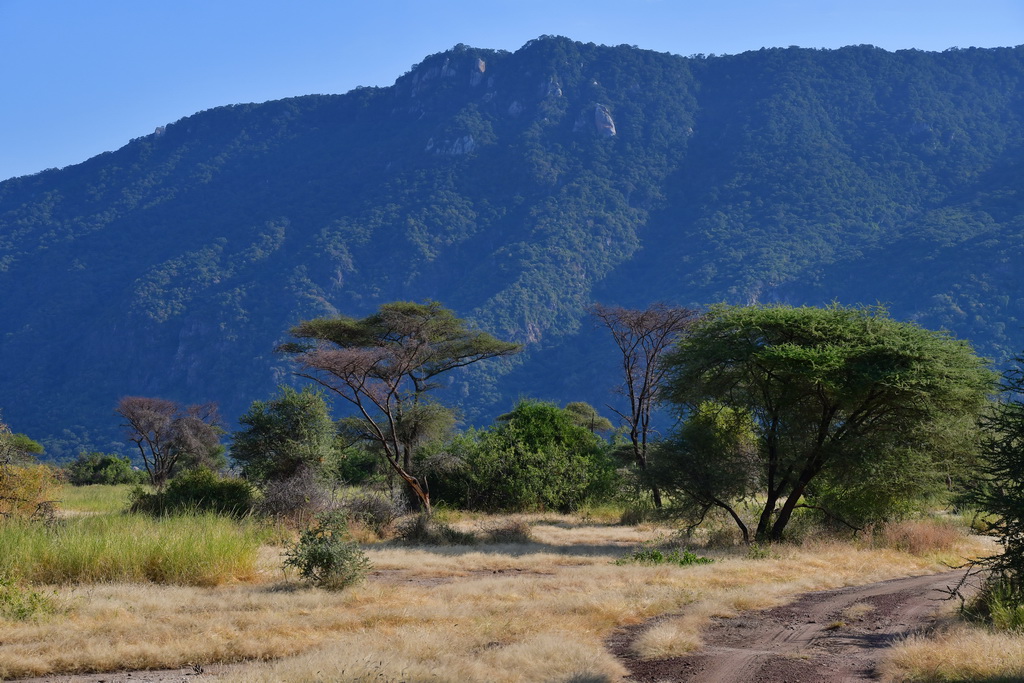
{"x": 168, "y": 434}
{"x": 643, "y": 336}
{"x": 585, "y": 415}
{"x": 26, "y": 488}
{"x": 384, "y": 365}
{"x": 820, "y": 391}
{"x": 999, "y": 489}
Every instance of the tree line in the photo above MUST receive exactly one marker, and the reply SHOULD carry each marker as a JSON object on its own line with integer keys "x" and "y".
{"x": 839, "y": 411}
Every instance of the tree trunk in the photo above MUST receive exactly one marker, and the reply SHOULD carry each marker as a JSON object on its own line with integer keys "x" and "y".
{"x": 641, "y": 459}
{"x": 791, "y": 501}
{"x": 765, "y": 521}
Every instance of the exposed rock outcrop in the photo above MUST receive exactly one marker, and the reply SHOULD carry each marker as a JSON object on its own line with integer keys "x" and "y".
{"x": 460, "y": 146}
{"x": 551, "y": 88}
{"x": 603, "y": 121}
{"x": 476, "y": 72}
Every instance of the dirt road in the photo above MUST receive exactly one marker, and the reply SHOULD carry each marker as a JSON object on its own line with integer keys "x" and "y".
{"x": 821, "y": 637}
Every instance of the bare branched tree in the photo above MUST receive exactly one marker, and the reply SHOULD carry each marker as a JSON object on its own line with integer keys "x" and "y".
{"x": 642, "y": 337}
{"x": 166, "y": 433}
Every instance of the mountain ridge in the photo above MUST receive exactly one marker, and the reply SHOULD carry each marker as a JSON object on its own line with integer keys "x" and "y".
{"x": 517, "y": 189}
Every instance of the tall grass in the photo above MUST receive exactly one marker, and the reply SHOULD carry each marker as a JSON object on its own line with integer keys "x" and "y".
{"x": 95, "y": 498}
{"x": 192, "y": 550}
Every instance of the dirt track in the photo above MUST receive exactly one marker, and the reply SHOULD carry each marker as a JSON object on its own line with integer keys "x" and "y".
{"x": 821, "y": 637}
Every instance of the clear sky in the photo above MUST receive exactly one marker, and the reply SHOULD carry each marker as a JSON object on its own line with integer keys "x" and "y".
{"x": 80, "y": 77}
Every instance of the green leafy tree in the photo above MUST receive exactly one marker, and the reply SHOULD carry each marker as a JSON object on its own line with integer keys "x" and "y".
{"x": 823, "y": 390}
{"x": 535, "y": 457}
{"x": 102, "y": 468}
{"x": 585, "y": 415}
{"x": 999, "y": 489}
{"x": 384, "y": 365}
{"x": 17, "y": 449}
{"x": 710, "y": 462}
{"x": 284, "y": 435}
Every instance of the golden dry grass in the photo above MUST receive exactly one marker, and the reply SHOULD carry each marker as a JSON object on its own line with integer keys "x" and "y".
{"x": 960, "y": 653}
{"x": 515, "y": 612}
{"x": 921, "y": 536}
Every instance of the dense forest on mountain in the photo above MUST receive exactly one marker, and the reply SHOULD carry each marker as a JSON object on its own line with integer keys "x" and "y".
{"x": 517, "y": 189}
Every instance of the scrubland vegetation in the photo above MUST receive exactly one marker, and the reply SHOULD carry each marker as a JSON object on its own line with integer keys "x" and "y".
{"x": 816, "y": 448}
{"x": 510, "y": 598}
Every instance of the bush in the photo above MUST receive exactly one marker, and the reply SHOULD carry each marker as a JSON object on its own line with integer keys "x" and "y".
{"x": 513, "y": 531}
{"x": 199, "y": 490}
{"x": 325, "y": 556}
{"x": 535, "y": 458}
{"x": 921, "y": 537}
{"x": 683, "y": 558}
{"x": 427, "y": 530}
{"x": 21, "y": 604}
{"x": 282, "y": 436}
{"x": 27, "y": 491}
{"x": 299, "y": 498}
{"x": 372, "y": 511}
{"x": 100, "y": 468}
{"x": 355, "y": 465}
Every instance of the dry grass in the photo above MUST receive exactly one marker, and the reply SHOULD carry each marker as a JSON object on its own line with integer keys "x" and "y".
{"x": 858, "y": 611}
{"x": 529, "y": 611}
{"x": 924, "y": 537}
{"x": 960, "y": 653}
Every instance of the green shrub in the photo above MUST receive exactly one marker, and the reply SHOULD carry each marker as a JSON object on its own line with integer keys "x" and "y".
{"x": 1000, "y": 604}
{"x": 199, "y": 490}
{"x": 534, "y": 458}
{"x": 355, "y": 465}
{"x": 289, "y": 433}
{"x": 325, "y": 556}
{"x": 682, "y": 558}
{"x": 101, "y": 468}
{"x": 21, "y": 604}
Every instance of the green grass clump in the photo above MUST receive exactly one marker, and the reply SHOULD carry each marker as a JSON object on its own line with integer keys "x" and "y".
{"x": 682, "y": 558}
{"x": 1000, "y": 605}
{"x": 193, "y": 550}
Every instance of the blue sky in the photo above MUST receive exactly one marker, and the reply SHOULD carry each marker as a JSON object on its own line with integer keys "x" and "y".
{"x": 80, "y": 77}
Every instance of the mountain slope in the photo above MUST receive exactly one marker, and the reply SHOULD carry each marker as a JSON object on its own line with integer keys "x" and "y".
{"x": 516, "y": 188}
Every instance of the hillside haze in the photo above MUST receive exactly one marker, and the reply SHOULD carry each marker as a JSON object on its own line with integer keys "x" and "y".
{"x": 517, "y": 189}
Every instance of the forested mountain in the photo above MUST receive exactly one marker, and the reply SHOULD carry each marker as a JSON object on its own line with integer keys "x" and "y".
{"x": 517, "y": 189}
